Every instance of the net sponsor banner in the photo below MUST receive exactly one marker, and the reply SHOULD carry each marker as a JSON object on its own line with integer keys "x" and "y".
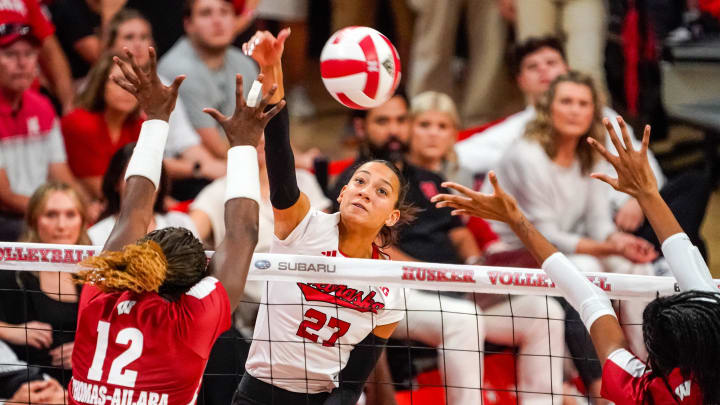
{"x": 333, "y": 270}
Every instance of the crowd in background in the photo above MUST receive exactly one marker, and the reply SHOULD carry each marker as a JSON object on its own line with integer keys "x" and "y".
{"x": 507, "y": 85}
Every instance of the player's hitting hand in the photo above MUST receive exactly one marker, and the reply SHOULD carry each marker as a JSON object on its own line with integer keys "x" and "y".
{"x": 498, "y": 206}
{"x": 246, "y": 125}
{"x": 155, "y": 99}
{"x": 265, "y": 49}
{"x": 635, "y": 177}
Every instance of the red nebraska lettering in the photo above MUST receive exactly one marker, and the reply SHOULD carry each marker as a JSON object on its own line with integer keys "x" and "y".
{"x": 420, "y": 274}
{"x": 493, "y": 275}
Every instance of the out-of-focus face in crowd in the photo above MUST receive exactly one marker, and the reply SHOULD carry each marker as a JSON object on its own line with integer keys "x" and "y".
{"x": 538, "y": 70}
{"x": 18, "y": 66}
{"x": 571, "y": 110}
{"x": 387, "y": 129}
{"x": 211, "y": 24}
{"x": 135, "y": 35}
{"x": 433, "y": 135}
{"x": 117, "y": 98}
{"x": 59, "y": 220}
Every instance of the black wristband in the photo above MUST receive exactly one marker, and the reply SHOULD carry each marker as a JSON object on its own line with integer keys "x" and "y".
{"x": 280, "y": 162}
{"x": 360, "y": 364}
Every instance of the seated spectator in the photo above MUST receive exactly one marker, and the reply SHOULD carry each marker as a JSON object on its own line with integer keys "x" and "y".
{"x": 435, "y": 125}
{"x": 113, "y": 186}
{"x": 46, "y": 300}
{"x": 190, "y": 166}
{"x": 537, "y": 62}
{"x": 206, "y": 56}
{"x": 79, "y": 25}
{"x": 548, "y": 173}
{"x": 52, "y": 60}
{"x": 31, "y": 147}
{"x": 23, "y": 384}
{"x": 106, "y": 118}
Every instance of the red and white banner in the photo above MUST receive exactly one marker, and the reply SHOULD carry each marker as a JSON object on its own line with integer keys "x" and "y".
{"x": 333, "y": 270}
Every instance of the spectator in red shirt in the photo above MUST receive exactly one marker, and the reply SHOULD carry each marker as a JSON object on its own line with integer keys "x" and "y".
{"x": 31, "y": 147}
{"x": 53, "y": 62}
{"x": 106, "y": 119}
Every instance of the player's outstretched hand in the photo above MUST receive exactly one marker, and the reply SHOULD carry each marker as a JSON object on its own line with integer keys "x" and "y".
{"x": 265, "y": 48}
{"x": 635, "y": 177}
{"x": 498, "y": 206}
{"x": 155, "y": 99}
{"x": 246, "y": 125}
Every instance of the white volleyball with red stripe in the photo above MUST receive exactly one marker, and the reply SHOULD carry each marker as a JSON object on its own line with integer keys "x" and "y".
{"x": 360, "y": 67}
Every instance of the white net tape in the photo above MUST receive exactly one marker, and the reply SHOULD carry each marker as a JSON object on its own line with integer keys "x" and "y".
{"x": 426, "y": 276}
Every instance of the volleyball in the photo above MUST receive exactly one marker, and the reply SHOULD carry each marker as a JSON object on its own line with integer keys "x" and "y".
{"x": 360, "y": 67}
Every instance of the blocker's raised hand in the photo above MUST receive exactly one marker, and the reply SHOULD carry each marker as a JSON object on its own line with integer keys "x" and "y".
{"x": 498, "y": 206}
{"x": 635, "y": 177}
{"x": 246, "y": 125}
{"x": 155, "y": 99}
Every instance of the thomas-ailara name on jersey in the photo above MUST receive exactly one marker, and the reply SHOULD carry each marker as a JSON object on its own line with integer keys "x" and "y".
{"x": 98, "y": 394}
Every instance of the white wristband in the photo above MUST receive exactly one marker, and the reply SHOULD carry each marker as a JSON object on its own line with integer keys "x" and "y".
{"x": 243, "y": 176}
{"x": 147, "y": 157}
{"x": 687, "y": 264}
{"x": 590, "y": 301}
{"x": 255, "y": 94}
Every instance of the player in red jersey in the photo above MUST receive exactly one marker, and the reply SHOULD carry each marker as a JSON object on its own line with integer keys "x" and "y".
{"x": 152, "y": 307}
{"x": 681, "y": 332}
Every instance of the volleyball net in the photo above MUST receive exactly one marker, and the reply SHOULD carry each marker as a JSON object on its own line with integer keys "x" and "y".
{"x": 491, "y": 335}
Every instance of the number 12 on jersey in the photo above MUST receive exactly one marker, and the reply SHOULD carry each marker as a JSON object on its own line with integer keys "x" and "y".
{"x": 118, "y": 374}
{"x": 317, "y": 322}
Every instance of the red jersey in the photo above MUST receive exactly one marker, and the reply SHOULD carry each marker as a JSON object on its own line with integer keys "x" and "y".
{"x": 141, "y": 349}
{"x": 627, "y": 381}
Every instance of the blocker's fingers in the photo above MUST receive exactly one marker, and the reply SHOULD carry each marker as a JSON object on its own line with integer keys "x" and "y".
{"x": 460, "y": 211}
{"x": 262, "y": 101}
{"x": 133, "y": 64}
{"x": 625, "y": 134}
{"x": 645, "y": 140}
{"x": 239, "y": 97}
{"x": 153, "y": 60}
{"x": 613, "y": 136}
{"x": 126, "y": 85}
{"x": 273, "y": 111}
{"x": 458, "y": 187}
{"x": 217, "y": 115}
{"x": 612, "y": 159}
{"x": 175, "y": 86}
{"x": 460, "y": 199}
{"x": 126, "y": 71}
{"x": 607, "y": 179}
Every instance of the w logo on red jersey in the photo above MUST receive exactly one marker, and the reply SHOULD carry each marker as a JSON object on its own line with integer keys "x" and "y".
{"x": 330, "y": 253}
{"x": 683, "y": 390}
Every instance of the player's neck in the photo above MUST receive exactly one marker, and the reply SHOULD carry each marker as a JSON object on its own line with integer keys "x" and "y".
{"x": 355, "y": 243}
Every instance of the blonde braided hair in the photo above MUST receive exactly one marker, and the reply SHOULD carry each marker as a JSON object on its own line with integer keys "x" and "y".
{"x": 140, "y": 268}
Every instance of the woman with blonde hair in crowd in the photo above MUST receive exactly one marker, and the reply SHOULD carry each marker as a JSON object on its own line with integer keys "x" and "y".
{"x": 548, "y": 172}
{"x": 38, "y": 310}
{"x": 435, "y": 126}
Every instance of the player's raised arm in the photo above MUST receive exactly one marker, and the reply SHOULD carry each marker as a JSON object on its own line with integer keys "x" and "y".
{"x": 591, "y": 302}
{"x": 143, "y": 171}
{"x": 244, "y": 129}
{"x": 290, "y": 205}
{"x": 636, "y": 178}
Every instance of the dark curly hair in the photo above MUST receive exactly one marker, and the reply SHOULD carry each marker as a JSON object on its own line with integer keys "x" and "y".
{"x": 683, "y": 331}
{"x": 185, "y": 255}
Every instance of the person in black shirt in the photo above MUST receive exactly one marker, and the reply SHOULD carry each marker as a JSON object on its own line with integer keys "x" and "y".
{"x": 435, "y": 235}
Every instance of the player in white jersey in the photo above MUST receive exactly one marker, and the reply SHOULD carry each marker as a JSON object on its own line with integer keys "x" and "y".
{"x": 317, "y": 343}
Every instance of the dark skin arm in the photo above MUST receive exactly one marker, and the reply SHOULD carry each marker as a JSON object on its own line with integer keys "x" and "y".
{"x": 158, "y": 101}
{"x": 606, "y": 333}
{"x": 231, "y": 261}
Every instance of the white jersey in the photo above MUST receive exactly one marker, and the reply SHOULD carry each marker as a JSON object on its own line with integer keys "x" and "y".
{"x": 305, "y": 332}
